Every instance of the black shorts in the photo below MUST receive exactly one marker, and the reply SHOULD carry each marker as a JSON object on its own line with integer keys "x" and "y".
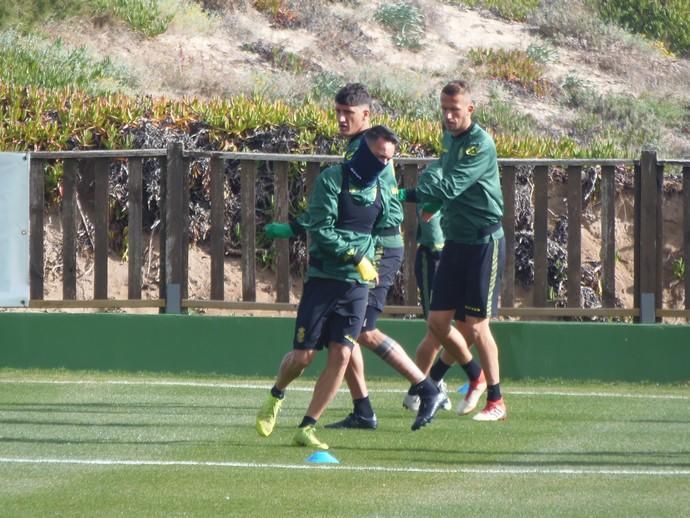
{"x": 388, "y": 267}
{"x": 468, "y": 279}
{"x": 329, "y": 311}
{"x": 425, "y": 264}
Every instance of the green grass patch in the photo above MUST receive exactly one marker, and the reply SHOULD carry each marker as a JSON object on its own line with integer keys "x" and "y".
{"x": 31, "y": 61}
{"x": 515, "y": 10}
{"x": 405, "y": 21}
{"x": 144, "y": 16}
{"x": 667, "y": 21}
{"x": 623, "y": 118}
{"x": 25, "y": 14}
{"x": 109, "y": 444}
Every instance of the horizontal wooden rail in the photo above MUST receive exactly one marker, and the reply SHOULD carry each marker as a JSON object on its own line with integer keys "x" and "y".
{"x": 101, "y": 153}
{"x": 96, "y": 304}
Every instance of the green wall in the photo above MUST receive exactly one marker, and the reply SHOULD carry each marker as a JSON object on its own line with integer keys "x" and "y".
{"x": 254, "y": 346}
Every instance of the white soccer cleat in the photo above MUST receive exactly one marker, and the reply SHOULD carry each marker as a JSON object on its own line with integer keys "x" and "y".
{"x": 474, "y": 392}
{"x": 446, "y": 405}
{"x": 493, "y": 411}
{"x": 411, "y": 402}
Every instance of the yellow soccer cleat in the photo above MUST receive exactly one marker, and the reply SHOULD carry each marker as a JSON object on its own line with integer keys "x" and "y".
{"x": 267, "y": 415}
{"x": 307, "y": 437}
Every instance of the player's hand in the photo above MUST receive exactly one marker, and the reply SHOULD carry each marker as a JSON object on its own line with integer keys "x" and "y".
{"x": 408, "y": 195}
{"x": 367, "y": 271}
{"x": 278, "y": 231}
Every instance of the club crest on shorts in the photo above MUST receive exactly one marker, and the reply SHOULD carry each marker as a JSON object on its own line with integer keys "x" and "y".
{"x": 300, "y": 334}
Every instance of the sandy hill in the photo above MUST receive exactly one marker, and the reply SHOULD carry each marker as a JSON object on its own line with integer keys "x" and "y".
{"x": 235, "y": 48}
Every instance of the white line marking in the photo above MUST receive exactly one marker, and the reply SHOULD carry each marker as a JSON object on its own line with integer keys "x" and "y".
{"x": 259, "y": 465}
{"x": 250, "y": 386}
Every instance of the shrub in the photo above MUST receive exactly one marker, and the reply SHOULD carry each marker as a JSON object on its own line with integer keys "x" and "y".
{"x": 29, "y": 60}
{"x": 668, "y": 21}
{"x": 512, "y": 66}
{"x": 405, "y": 20}
{"x": 141, "y": 15}
{"x": 516, "y": 10}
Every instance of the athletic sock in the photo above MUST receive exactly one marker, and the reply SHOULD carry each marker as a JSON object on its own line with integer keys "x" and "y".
{"x": 363, "y": 407}
{"x": 493, "y": 392}
{"x": 472, "y": 369}
{"x": 277, "y": 393}
{"x": 425, "y": 388}
{"x": 438, "y": 370}
{"x": 307, "y": 421}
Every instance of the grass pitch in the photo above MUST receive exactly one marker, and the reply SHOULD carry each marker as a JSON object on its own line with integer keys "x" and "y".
{"x": 88, "y": 444}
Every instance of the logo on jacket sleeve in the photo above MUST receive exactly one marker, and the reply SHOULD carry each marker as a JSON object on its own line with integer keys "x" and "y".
{"x": 472, "y": 151}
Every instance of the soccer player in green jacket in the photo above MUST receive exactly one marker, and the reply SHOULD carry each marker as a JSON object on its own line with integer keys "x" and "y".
{"x": 468, "y": 278}
{"x": 344, "y": 207}
{"x": 352, "y": 107}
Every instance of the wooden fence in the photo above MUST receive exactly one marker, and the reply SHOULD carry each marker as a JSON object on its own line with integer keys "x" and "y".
{"x": 173, "y": 232}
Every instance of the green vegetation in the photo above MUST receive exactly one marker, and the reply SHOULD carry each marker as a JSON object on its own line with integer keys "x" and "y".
{"x": 25, "y": 14}
{"x": 186, "y": 446}
{"x": 512, "y": 66}
{"x": 667, "y": 21}
{"x": 501, "y": 116}
{"x": 141, "y": 15}
{"x": 516, "y": 10}
{"x": 280, "y": 58}
{"x": 622, "y": 118}
{"x": 679, "y": 269}
{"x": 405, "y": 21}
{"x": 40, "y": 119}
{"x": 31, "y": 61}
{"x": 145, "y": 16}
{"x": 68, "y": 100}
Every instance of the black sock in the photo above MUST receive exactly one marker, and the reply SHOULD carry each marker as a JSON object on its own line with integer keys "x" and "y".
{"x": 438, "y": 370}
{"x": 307, "y": 421}
{"x": 276, "y": 392}
{"x": 363, "y": 407}
{"x": 425, "y": 388}
{"x": 493, "y": 392}
{"x": 472, "y": 369}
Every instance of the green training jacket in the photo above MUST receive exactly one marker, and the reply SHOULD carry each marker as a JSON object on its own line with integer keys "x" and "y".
{"x": 470, "y": 187}
{"x": 429, "y": 233}
{"x": 332, "y": 249}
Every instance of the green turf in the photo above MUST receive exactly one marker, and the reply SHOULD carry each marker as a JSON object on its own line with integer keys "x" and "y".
{"x": 566, "y": 450}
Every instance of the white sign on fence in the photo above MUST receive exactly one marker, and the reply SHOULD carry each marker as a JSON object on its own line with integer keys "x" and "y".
{"x": 14, "y": 229}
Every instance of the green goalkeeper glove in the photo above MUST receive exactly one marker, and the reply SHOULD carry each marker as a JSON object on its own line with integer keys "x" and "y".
{"x": 278, "y": 231}
{"x": 409, "y": 195}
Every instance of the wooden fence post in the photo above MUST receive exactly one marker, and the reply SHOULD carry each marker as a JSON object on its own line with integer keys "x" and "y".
{"x": 574, "y": 235}
{"x": 686, "y": 234}
{"x": 135, "y": 247}
{"x": 541, "y": 263}
{"x": 608, "y": 236}
{"x": 646, "y": 221}
{"x": 248, "y": 228}
{"x": 217, "y": 171}
{"x": 101, "y": 220}
{"x": 410, "y": 237}
{"x": 69, "y": 231}
{"x": 174, "y": 227}
{"x": 281, "y": 195}
{"x": 508, "y": 188}
{"x": 36, "y": 248}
